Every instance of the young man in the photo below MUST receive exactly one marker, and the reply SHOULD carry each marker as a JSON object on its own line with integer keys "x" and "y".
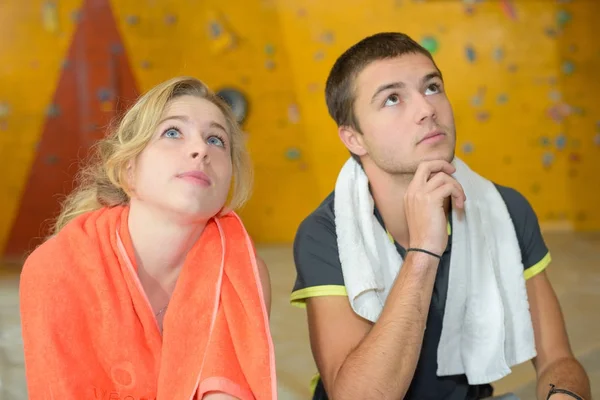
{"x": 387, "y": 97}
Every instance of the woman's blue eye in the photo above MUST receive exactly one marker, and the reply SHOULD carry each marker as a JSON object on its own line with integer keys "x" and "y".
{"x": 172, "y": 133}
{"x": 215, "y": 140}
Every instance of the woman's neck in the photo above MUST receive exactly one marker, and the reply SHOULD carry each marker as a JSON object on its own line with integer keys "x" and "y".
{"x": 161, "y": 242}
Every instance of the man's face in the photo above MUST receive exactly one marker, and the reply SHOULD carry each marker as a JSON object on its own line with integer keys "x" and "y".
{"x": 403, "y": 113}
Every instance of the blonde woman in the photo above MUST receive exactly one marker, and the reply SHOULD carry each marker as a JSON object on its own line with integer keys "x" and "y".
{"x": 150, "y": 287}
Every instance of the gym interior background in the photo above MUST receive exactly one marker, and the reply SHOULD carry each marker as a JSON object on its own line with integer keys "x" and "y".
{"x": 521, "y": 76}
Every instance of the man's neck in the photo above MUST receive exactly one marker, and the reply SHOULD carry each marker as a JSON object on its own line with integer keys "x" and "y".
{"x": 388, "y": 194}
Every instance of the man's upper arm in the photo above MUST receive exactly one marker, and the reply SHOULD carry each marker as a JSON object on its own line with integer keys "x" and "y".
{"x": 551, "y": 338}
{"x": 318, "y": 268}
{"x": 534, "y": 252}
{"x": 334, "y": 329}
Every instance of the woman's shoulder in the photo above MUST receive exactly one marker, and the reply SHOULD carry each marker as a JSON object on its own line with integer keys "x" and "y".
{"x": 55, "y": 256}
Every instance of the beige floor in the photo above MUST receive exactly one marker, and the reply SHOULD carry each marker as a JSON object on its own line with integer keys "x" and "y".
{"x": 575, "y": 273}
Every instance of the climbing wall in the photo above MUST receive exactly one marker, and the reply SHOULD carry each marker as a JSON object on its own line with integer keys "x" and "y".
{"x": 234, "y": 44}
{"x": 519, "y": 75}
{"x": 579, "y": 113}
{"x": 34, "y": 40}
{"x": 94, "y": 84}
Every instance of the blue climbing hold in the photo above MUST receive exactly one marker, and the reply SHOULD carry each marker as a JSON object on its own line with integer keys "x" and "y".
{"x": 563, "y": 17}
{"x": 568, "y": 67}
{"x": 292, "y": 154}
{"x": 547, "y": 159}
{"x": 470, "y": 53}
{"x": 468, "y": 148}
{"x": 561, "y": 142}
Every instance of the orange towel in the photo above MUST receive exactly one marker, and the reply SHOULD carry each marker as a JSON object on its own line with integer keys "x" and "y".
{"x": 89, "y": 331}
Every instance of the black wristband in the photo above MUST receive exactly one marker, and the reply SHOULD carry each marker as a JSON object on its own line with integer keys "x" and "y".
{"x": 424, "y": 251}
{"x": 554, "y": 390}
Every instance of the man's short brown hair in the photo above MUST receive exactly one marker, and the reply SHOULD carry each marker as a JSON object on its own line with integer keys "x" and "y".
{"x": 340, "y": 92}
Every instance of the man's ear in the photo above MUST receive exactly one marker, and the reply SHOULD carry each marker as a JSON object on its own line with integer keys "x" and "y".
{"x": 353, "y": 140}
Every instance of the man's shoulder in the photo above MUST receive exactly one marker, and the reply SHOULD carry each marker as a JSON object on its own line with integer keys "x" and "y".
{"x": 518, "y": 205}
{"x": 321, "y": 219}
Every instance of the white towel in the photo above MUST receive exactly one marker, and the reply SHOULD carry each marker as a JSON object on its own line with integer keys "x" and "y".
{"x": 487, "y": 326}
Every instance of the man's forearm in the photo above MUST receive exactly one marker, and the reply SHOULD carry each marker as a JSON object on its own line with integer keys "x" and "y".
{"x": 566, "y": 373}
{"x": 383, "y": 364}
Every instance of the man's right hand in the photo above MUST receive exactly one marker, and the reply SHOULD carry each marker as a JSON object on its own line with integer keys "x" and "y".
{"x": 424, "y": 204}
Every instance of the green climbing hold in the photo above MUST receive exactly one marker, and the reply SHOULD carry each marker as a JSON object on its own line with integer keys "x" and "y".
{"x": 430, "y": 44}
{"x": 563, "y": 17}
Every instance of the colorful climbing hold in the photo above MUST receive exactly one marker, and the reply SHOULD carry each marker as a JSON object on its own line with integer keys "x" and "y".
{"x": 430, "y": 44}
{"x": 293, "y": 114}
{"x": 53, "y": 110}
{"x": 544, "y": 141}
{"x": 116, "y": 48}
{"x": 574, "y": 157}
{"x": 483, "y": 116}
{"x": 51, "y": 159}
{"x": 103, "y": 94}
{"x": 560, "y": 141}
{"x": 270, "y": 64}
{"x": 145, "y": 64}
{"x": 50, "y": 17}
{"x": 470, "y": 53}
{"x": 4, "y": 110}
{"x": 65, "y": 64}
{"x": 555, "y": 95}
{"x": 502, "y": 98}
{"x": 467, "y": 148}
{"x": 477, "y": 100}
{"x": 76, "y": 16}
{"x": 133, "y": 19}
{"x": 498, "y": 54}
{"x": 269, "y": 49}
{"x": 170, "y": 19}
{"x": 509, "y": 9}
{"x": 597, "y": 139}
{"x": 513, "y": 68}
{"x": 292, "y": 154}
{"x": 107, "y": 106}
{"x": 563, "y": 17}
{"x": 327, "y": 37}
{"x": 214, "y": 29}
{"x": 550, "y": 32}
{"x": 547, "y": 159}
{"x": 319, "y": 55}
{"x": 535, "y": 188}
{"x": 568, "y": 67}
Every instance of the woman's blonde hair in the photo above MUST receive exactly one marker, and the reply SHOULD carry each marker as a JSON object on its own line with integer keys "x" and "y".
{"x": 102, "y": 183}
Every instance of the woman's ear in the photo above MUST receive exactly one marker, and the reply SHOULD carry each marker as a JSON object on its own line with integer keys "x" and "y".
{"x": 130, "y": 176}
